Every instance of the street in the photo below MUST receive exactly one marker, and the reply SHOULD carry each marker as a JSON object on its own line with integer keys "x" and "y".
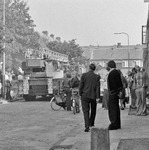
{"x": 34, "y": 125}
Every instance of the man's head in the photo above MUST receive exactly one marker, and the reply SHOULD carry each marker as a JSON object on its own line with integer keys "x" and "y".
{"x": 142, "y": 69}
{"x": 68, "y": 75}
{"x": 111, "y": 64}
{"x": 74, "y": 74}
{"x": 134, "y": 70}
{"x": 92, "y": 67}
{"x": 137, "y": 68}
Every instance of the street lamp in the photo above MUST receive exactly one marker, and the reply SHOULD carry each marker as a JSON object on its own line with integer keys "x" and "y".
{"x": 3, "y": 82}
{"x": 128, "y": 48}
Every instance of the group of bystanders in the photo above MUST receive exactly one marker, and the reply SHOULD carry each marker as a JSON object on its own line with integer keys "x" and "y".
{"x": 138, "y": 84}
{"x": 118, "y": 90}
{"x": 13, "y": 86}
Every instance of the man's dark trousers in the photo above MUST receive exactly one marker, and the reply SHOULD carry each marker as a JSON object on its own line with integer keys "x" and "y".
{"x": 114, "y": 112}
{"x": 68, "y": 101}
{"x": 88, "y": 104}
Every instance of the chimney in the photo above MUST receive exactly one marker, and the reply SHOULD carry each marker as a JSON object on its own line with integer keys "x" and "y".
{"x": 58, "y": 39}
{"x": 119, "y": 45}
{"x": 52, "y": 36}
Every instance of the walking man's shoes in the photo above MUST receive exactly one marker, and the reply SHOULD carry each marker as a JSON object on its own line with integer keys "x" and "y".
{"x": 87, "y": 129}
{"x": 143, "y": 114}
{"x": 112, "y": 128}
{"x": 92, "y": 125}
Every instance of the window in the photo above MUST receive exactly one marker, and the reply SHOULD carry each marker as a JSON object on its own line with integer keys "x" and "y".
{"x": 139, "y": 63}
{"x": 125, "y": 63}
{"x": 101, "y": 63}
{"x": 131, "y": 63}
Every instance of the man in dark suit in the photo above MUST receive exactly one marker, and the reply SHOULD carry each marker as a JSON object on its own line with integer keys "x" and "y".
{"x": 89, "y": 91}
{"x": 114, "y": 87}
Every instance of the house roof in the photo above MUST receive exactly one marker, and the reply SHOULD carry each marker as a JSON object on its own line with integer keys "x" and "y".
{"x": 114, "y": 52}
{"x": 86, "y": 51}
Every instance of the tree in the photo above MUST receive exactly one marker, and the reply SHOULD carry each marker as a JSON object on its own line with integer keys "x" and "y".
{"x": 69, "y": 48}
{"x": 20, "y": 28}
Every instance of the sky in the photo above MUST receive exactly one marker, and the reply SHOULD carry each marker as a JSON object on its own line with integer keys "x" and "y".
{"x": 91, "y": 22}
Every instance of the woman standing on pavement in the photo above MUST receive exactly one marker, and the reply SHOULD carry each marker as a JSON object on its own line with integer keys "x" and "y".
{"x": 14, "y": 87}
{"x": 133, "y": 94}
{"x": 122, "y": 97}
{"x": 141, "y": 84}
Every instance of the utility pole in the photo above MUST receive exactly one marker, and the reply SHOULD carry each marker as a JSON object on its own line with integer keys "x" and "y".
{"x": 3, "y": 53}
{"x": 128, "y": 51}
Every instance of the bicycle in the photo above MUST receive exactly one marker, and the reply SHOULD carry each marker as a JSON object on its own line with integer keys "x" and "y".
{"x": 58, "y": 101}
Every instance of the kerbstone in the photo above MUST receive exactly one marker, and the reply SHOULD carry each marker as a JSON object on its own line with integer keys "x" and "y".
{"x": 100, "y": 139}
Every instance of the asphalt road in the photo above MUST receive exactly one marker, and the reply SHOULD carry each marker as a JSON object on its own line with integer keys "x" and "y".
{"x": 34, "y": 125}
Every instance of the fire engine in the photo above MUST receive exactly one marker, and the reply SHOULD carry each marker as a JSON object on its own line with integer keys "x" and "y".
{"x": 42, "y": 72}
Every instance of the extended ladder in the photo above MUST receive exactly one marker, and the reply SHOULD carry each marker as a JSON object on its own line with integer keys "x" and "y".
{"x": 45, "y": 53}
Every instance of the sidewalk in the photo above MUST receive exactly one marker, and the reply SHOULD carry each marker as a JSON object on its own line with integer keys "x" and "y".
{"x": 3, "y": 101}
{"x": 132, "y": 127}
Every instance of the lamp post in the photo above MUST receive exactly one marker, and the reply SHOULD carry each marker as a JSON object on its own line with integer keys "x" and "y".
{"x": 3, "y": 82}
{"x": 128, "y": 48}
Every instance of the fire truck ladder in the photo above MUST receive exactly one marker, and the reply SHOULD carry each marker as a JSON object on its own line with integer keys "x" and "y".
{"x": 45, "y": 53}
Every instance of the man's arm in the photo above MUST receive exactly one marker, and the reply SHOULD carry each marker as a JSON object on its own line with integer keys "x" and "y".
{"x": 98, "y": 87}
{"x": 81, "y": 86}
{"x": 134, "y": 82}
{"x": 146, "y": 80}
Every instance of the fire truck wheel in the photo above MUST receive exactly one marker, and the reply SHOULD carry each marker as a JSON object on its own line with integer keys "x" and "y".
{"x": 26, "y": 97}
{"x": 44, "y": 96}
{"x": 32, "y": 98}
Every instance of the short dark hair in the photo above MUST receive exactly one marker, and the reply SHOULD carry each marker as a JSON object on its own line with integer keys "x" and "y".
{"x": 111, "y": 64}
{"x": 134, "y": 70}
{"x": 92, "y": 67}
{"x": 68, "y": 75}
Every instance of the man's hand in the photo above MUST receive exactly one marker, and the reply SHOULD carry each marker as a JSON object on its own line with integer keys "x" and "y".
{"x": 97, "y": 100}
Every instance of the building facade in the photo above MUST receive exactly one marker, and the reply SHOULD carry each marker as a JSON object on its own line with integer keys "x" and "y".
{"x": 100, "y": 55}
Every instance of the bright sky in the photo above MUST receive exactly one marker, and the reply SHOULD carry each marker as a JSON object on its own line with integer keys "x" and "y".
{"x": 91, "y": 22}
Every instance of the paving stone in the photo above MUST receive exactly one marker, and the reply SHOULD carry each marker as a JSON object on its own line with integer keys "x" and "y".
{"x": 69, "y": 141}
{"x": 134, "y": 144}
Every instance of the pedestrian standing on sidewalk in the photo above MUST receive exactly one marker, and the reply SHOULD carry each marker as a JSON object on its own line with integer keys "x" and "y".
{"x": 128, "y": 89}
{"x": 20, "y": 85}
{"x": 105, "y": 100}
{"x": 89, "y": 90}
{"x": 114, "y": 87}
{"x": 133, "y": 94}
{"x": 74, "y": 84}
{"x": 14, "y": 87}
{"x": 141, "y": 84}
{"x": 0, "y": 89}
{"x": 123, "y": 98}
{"x": 66, "y": 88}
{"x": 8, "y": 88}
